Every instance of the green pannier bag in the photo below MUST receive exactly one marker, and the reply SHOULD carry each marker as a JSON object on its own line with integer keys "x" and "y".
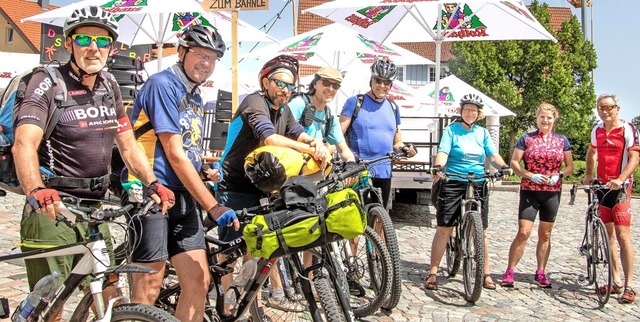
{"x": 339, "y": 216}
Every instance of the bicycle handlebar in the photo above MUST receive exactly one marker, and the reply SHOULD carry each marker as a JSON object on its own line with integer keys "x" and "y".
{"x": 471, "y": 176}
{"x": 592, "y": 188}
{"x": 71, "y": 212}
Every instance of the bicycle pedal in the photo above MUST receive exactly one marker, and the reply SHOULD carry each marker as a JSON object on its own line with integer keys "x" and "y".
{"x": 4, "y": 308}
{"x": 582, "y": 279}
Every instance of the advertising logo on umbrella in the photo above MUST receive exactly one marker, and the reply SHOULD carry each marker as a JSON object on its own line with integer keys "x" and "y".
{"x": 368, "y": 16}
{"x": 181, "y": 19}
{"x": 518, "y": 10}
{"x": 304, "y": 44}
{"x": 376, "y": 46}
{"x": 463, "y": 21}
{"x": 445, "y": 96}
{"x": 118, "y": 6}
{"x": 302, "y": 57}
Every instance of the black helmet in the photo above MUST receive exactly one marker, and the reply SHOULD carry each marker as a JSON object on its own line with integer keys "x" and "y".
{"x": 472, "y": 99}
{"x": 281, "y": 61}
{"x": 201, "y": 36}
{"x": 384, "y": 68}
{"x": 91, "y": 16}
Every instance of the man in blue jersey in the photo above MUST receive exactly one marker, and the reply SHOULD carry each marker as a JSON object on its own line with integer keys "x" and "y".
{"x": 374, "y": 131}
{"x": 171, "y": 107}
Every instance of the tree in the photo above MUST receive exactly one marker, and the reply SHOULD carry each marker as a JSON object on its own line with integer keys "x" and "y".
{"x": 636, "y": 122}
{"x": 523, "y": 74}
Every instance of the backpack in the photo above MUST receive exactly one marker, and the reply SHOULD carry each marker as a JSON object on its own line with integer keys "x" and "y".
{"x": 309, "y": 112}
{"x": 11, "y": 97}
{"x": 356, "y": 110}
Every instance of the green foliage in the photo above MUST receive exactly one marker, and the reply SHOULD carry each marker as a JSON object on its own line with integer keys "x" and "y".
{"x": 636, "y": 122}
{"x": 636, "y": 182}
{"x": 579, "y": 169}
{"x": 523, "y": 74}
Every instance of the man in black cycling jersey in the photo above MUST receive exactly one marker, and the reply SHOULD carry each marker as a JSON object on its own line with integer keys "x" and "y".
{"x": 171, "y": 107}
{"x": 75, "y": 159}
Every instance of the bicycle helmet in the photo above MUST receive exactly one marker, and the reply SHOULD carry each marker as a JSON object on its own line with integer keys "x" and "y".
{"x": 472, "y": 99}
{"x": 282, "y": 61}
{"x": 91, "y": 16}
{"x": 202, "y": 36}
{"x": 384, "y": 68}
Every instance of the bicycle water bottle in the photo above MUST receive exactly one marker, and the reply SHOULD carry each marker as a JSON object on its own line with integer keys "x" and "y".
{"x": 45, "y": 288}
{"x": 237, "y": 288}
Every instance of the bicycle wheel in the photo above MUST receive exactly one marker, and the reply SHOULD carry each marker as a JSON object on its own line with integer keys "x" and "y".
{"x": 453, "y": 254}
{"x": 123, "y": 312}
{"x": 328, "y": 298}
{"x": 379, "y": 220}
{"x": 368, "y": 268}
{"x": 601, "y": 261}
{"x": 473, "y": 253}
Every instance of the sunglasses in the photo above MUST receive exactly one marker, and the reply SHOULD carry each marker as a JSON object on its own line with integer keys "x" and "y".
{"x": 284, "y": 85}
{"x": 327, "y": 83}
{"x": 200, "y": 56}
{"x": 83, "y": 40}
{"x": 606, "y": 107}
{"x": 386, "y": 82}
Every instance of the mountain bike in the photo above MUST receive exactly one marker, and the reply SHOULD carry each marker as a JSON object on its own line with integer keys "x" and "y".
{"x": 94, "y": 262}
{"x": 595, "y": 242}
{"x": 466, "y": 243}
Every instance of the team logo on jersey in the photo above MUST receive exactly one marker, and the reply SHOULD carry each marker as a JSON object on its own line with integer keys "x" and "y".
{"x": 462, "y": 21}
{"x": 368, "y": 16}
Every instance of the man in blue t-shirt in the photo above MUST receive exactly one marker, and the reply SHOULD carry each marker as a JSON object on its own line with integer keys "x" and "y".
{"x": 312, "y": 111}
{"x": 170, "y": 102}
{"x": 374, "y": 131}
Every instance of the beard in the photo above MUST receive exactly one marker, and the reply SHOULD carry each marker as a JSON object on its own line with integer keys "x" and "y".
{"x": 278, "y": 100}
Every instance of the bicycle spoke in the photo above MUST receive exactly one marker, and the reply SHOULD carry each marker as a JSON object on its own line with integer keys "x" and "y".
{"x": 601, "y": 261}
{"x": 473, "y": 262}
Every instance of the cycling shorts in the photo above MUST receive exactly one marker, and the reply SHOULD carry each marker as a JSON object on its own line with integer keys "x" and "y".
{"x": 615, "y": 206}
{"x": 533, "y": 202}
{"x": 451, "y": 194}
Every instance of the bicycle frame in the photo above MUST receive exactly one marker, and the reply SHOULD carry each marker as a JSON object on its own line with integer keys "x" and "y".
{"x": 94, "y": 262}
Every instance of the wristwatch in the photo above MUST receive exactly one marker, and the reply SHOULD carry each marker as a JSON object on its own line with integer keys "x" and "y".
{"x": 560, "y": 175}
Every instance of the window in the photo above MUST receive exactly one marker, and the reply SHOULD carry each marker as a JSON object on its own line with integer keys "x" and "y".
{"x": 444, "y": 72}
{"x": 416, "y": 75}
{"x": 400, "y": 71}
{"x": 9, "y": 38}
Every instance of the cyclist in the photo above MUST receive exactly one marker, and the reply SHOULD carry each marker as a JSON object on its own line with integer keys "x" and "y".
{"x": 171, "y": 107}
{"x": 375, "y": 132}
{"x": 312, "y": 111}
{"x": 463, "y": 148}
{"x": 614, "y": 148}
{"x": 75, "y": 160}
{"x": 543, "y": 152}
{"x": 263, "y": 118}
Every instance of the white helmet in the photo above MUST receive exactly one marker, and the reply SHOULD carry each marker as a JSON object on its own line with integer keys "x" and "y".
{"x": 91, "y": 16}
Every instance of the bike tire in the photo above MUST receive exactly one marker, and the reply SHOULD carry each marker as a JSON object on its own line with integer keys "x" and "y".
{"x": 601, "y": 261}
{"x": 328, "y": 299}
{"x": 123, "y": 312}
{"x": 473, "y": 261}
{"x": 377, "y": 215}
{"x": 367, "y": 270}
{"x": 453, "y": 256}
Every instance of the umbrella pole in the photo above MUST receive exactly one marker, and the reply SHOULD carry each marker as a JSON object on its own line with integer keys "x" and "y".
{"x": 160, "y": 45}
{"x": 436, "y": 96}
{"x": 234, "y": 62}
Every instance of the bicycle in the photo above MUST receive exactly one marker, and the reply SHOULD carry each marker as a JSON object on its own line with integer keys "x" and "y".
{"x": 595, "y": 243}
{"x": 466, "y": 243}
{"x": 378, "y": 218}
{"x": 94, "y": 262}
{"x": 329, "y": 281}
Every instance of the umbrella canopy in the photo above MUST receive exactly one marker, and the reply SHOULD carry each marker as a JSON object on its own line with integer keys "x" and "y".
{"x": 436, "y": 20}
{"x": 451, "y": 91}
{"x": 14, "y": 64}
{"x": 156, "y": 21}
{"x": 339, "y": 47}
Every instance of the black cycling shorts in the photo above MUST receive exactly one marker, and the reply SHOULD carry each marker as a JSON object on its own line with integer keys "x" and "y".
{"x": 161, "y": 237}
{"x": 533, "y": 202}
{"x": 448, "y": 210}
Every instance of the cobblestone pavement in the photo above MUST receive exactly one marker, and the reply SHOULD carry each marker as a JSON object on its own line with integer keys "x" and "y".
{"x": 568, "y": 300}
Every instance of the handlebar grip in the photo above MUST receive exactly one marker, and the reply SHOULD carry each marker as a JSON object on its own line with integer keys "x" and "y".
{"x": 112, "y": 213}
{"x": 572, "y": 193}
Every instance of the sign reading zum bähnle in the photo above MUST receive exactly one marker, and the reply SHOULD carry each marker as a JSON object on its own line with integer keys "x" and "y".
{"x": 52, "y": 47}
{"x": 226, "y": 5}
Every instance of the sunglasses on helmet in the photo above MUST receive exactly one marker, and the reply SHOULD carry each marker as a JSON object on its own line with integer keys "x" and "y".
{"x": 83, "y": 40}
{"x": 284, "y": 85}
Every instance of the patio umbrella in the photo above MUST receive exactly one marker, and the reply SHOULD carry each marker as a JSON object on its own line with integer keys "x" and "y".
{"x": 156, "y": 21}
{"x": 14, "y": 64}
{"x": 436, "y": 20}
{"x": 337, "y": 46}
{"x": 452, "y": 89}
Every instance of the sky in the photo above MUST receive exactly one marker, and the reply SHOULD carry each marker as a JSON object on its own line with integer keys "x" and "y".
{"x": 612, "y": 31}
